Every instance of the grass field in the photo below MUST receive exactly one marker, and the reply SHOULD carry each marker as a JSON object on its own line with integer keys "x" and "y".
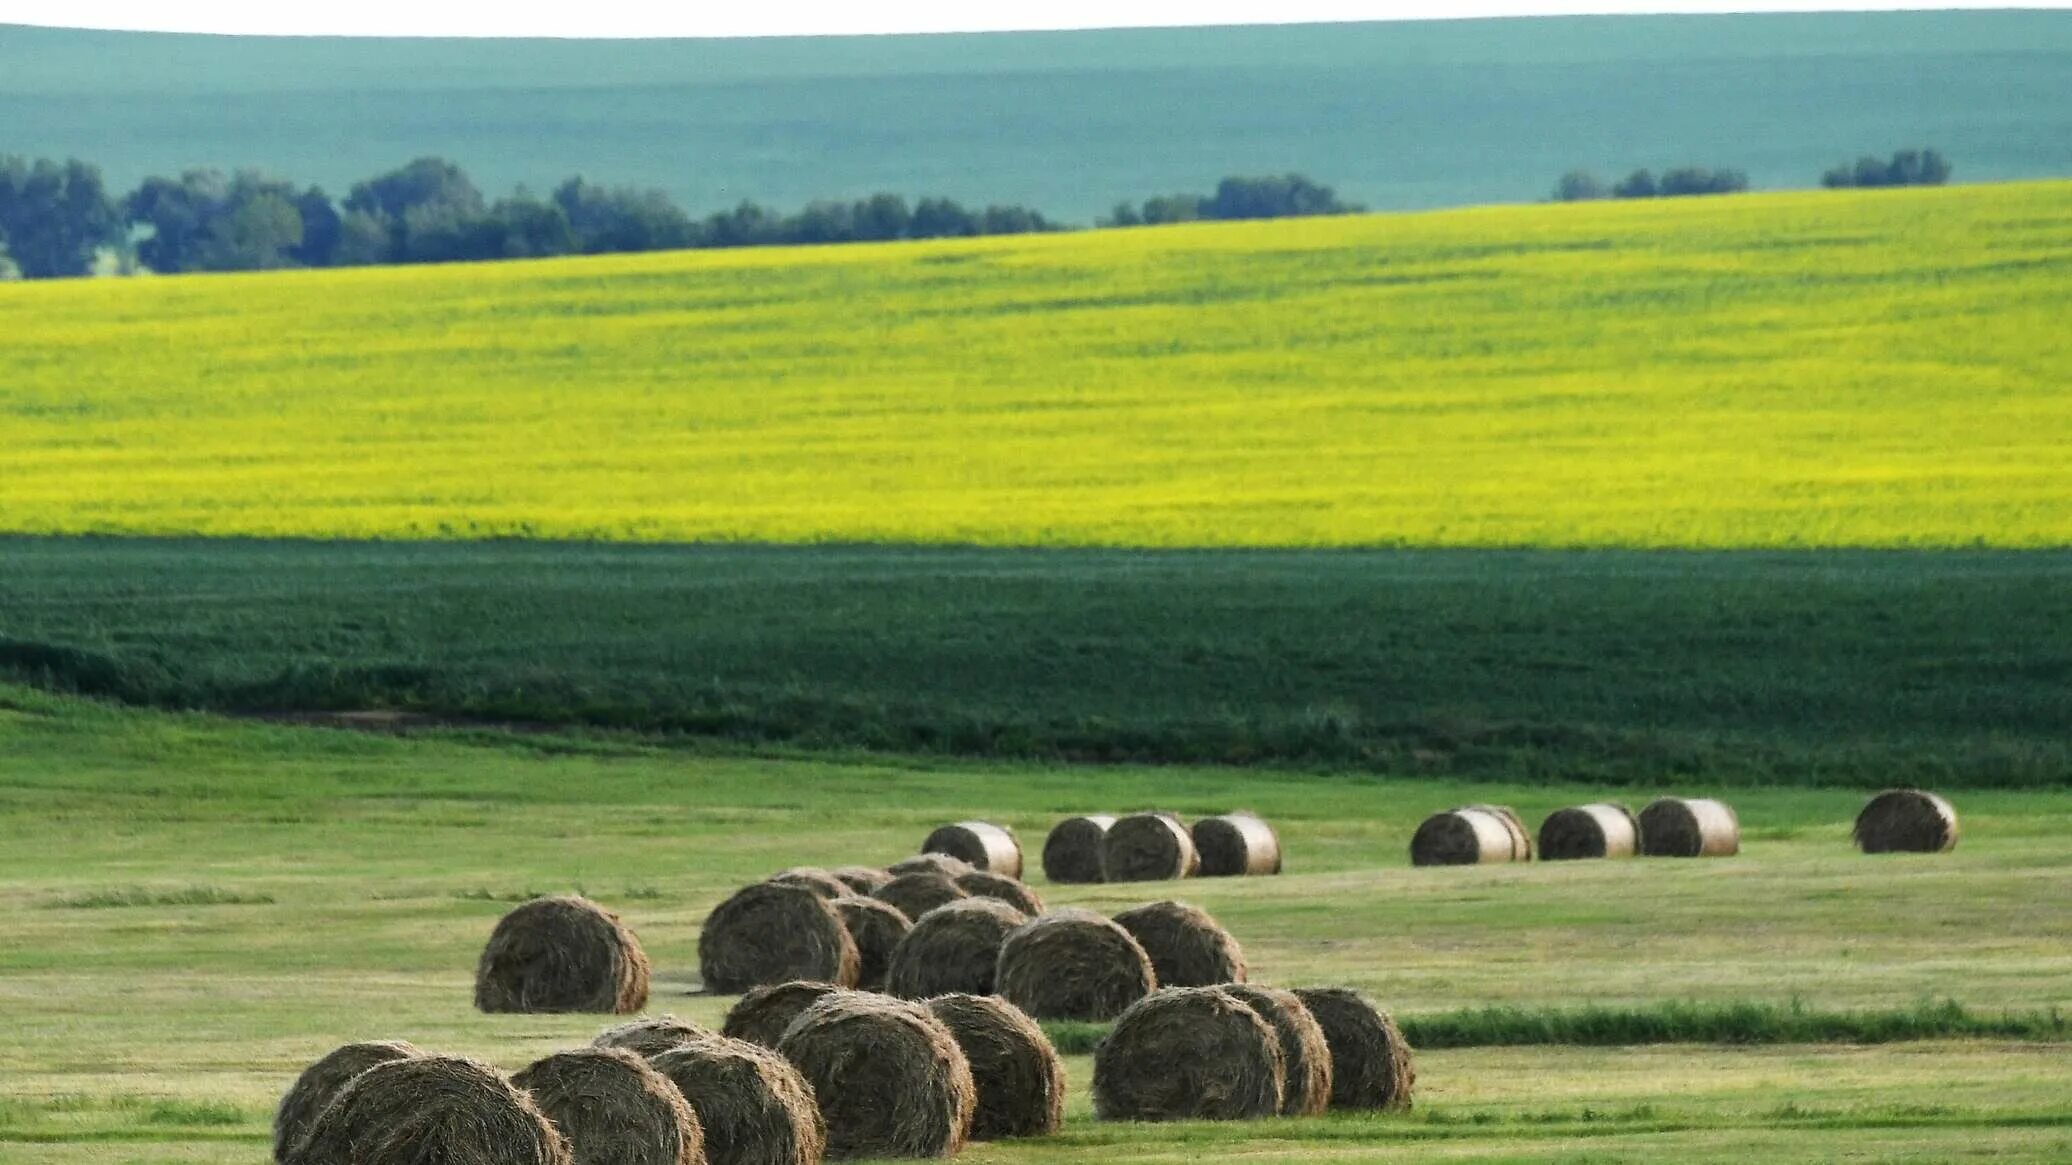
{"x": 1868, "y": 369}
{"x": 196, "y": 908}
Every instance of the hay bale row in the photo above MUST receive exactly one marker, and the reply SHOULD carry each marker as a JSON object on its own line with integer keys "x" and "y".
{"x": 983, "y": 845}
{"x": 1371, "y": 1064}
{"x": 1907, "y": 821}
{"x": 561, "y": 954}
{"x": 613, "y": 1108}
{"x": 1189, "y": 1053}
{"x": 1237, "y": 845}
{"x": 952, "y": 948}
{"x": 1469, "y": 835}
{"x": 1675, "y": 827}
{"x": 1604, "y": 829}
{"x": 1072, "y": 852}
{"x": 1305, "y": 1052}
{"x": 415, "y": 1108}
{"x": 754, "y": 1106}
{"x": 1148, "y": 847}
{"x": 773, "y": 933}
{"x": 1073, "y": 964}
{"x": 890, "y": 1078}
{"x": 1017, "y": 1075}
{"x": 321, "y": 1082}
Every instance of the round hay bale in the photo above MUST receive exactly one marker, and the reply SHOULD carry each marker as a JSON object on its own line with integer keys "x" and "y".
{"x": 952, "y": 948}
{"x": 768, "y": 933}
{"x": 1148, "y": 847}
{"x": 1521, "y": 837}
{"x": 863, "y": 881}
{"x": 890, "y": 1077}
{"x": 754, "y": 1106}
{"x": 321, "y": 1082}
{"x": 1237, "y": 844}
{"x": 1673, "y": 827}
{"x": 1463, "y": 837}
{"x": 562, "y": 954}
{"x": 1189, "y": 1053}
{"x": 876, "y": 928}
{"x": 917, "y": 892}
{"x": 940, "y": 863}
{"x": 1073, "y": 964}
{"x": 1187, "y": 947}
{"x": 981, "y": 843}
{"x": 1371, "y": 1065}
{"x": 1305, "y": 1054}
{"x": 1603, "y": 829}
{"x": 1072, "y": 852}
{"x": 1907, "y": 821}
{"x": 1020, "y": 1080}
{"x": 762, "y": 1015}
{"x": 431, "y": 1108}
{"x": 813, "y": 878}
{"x": 613, "y": 1109}
{"x": 650, "y": 1037}
{"x": 987, "y": 884}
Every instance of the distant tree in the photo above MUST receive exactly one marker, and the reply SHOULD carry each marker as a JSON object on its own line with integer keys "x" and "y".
{"x": 1580, "y": 186}
{"x": 1171, "y": 208}
{"x": 8, "y": 271}
{"x": 204, "y": 221}
{"x": 941, "y": 218}
{"x": 623, "y": 219}
{"x": 522, "y": 227}
{"x": 322, "y": 229}
{"x": 882, "y": 216}
{"x": 429, "y": 194}
{"x": 363, "y": 240}
{"x": 1125, "y": 214}
{"x": 747, "y": 225}
{"x": 1273, "y": 196}
{"x": 1904, "y": 168}
{"x": 55, "y": 216}
{"x": 1639, "y": 184}
{"x": 821, "y": 222}
{"x": 1014, "y": 220}
{"x": 1689, "y": 180}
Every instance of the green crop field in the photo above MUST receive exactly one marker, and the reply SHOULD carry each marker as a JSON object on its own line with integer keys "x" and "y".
{"x": 1870, "y": 369}
{"x": 197, "y": 908}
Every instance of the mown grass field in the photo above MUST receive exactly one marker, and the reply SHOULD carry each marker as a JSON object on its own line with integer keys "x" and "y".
{"x": 1814, "y": 369}
{"x": 196, "y": 908}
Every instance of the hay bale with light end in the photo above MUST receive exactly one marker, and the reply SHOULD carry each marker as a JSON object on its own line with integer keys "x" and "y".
{"x": 986, "y": 884}
{"x": 1237, "y": 845}
{"x": 1907, "y": 821}
{"x": 952, "y": 948}
{"x": 1187, "y": 947}
{"x": 981, "y": 843}
{"x": 614, "y": 1109}
{"x": 770, "y": 933}
{"x": 561, "y": 954}
{"x": 1602, "y": 829}
{"x": 1305, "y": 1053}
{"x": 753, "y": 1105}
{"x": 1521, "y": 837}
{"x": 650, "y": 1037}
{"x": 1371, "y": 1062}
{"x": 321, "y": 1082}
{"x": 1072, "y": 852}
{"x": 1189, "y": 1053}
{"x": 1148, "y": 847}
{"x": 890, "y": 1077}
{"x": 940, "y": 863}
{"x": 917, "y": 892}
{"x": 431, "y": 1108}
{"x": 761, "y": 1016}
{"x": 863, "y": 881}
{"x": 1019, "y": 1077}
{"x": 1464, "y": 837}
{"x": 1073, "y": 964}
{"x": 813, "y": 878}
{"x": 1676, "y": 827}
{"x": 876, "y": 927}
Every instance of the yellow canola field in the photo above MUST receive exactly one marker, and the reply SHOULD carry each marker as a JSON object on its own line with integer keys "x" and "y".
{"x": 1878, "y": 368}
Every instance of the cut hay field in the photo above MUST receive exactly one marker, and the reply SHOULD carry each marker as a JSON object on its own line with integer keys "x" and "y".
{"x": 195, "y": 908}
{"x": 1863, "y": 369}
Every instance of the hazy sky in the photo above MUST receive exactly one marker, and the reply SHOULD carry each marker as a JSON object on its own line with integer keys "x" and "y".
{"x": 621, "y": 18}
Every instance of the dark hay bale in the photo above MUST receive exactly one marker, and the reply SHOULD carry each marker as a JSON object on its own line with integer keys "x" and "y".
{"x": 1673, "y": 827}
{"x": 1148, "y": 847}
{"x": 1020, "y": 1080}
{"x": 819, "y": 881}
{"x": 1237, "y": 844}
{"x": 769, "y": 933}
{"x": 876, "y": 928}
{"x": 940, "y": 863}
{"x": 1907, "y": 821}
{"x": 863, "y": 881}
{"x": 754, "y": 1106}
{"x": 1521, "y": 837}
{"x": 650, "y": 1037}
{"x": 431, "y": 1108}
{"x": 562, "y": 954}
{"x": 1305, "y": 1054}
{"x": 1073, "y": 964}
{"x": 613, "y": 1109}
{"x": 1072, "y": 852}
{"x": 952, "y": 948}
{"x": 986, "y": 884}
{"x": 985, "y": 845}
{"x": 1189, "y": 1053}
{"x": 917, "y": 892}
{"x": 1187, "y": 947}
{"x": 762, "y": 1015}
{"x": 1604, "y": 829}
{"x": 1371, "y": 1065}
{"x": 890, "y": 1077}
{"x": 1463, "y": 837}
{"x": 321, "y": 1082}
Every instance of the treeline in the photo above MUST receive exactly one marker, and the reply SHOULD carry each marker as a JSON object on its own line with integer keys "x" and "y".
{"x": 1914, "y": 167}
{"x": 59, "y": 219}
{"x": 1905, "y": 168}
